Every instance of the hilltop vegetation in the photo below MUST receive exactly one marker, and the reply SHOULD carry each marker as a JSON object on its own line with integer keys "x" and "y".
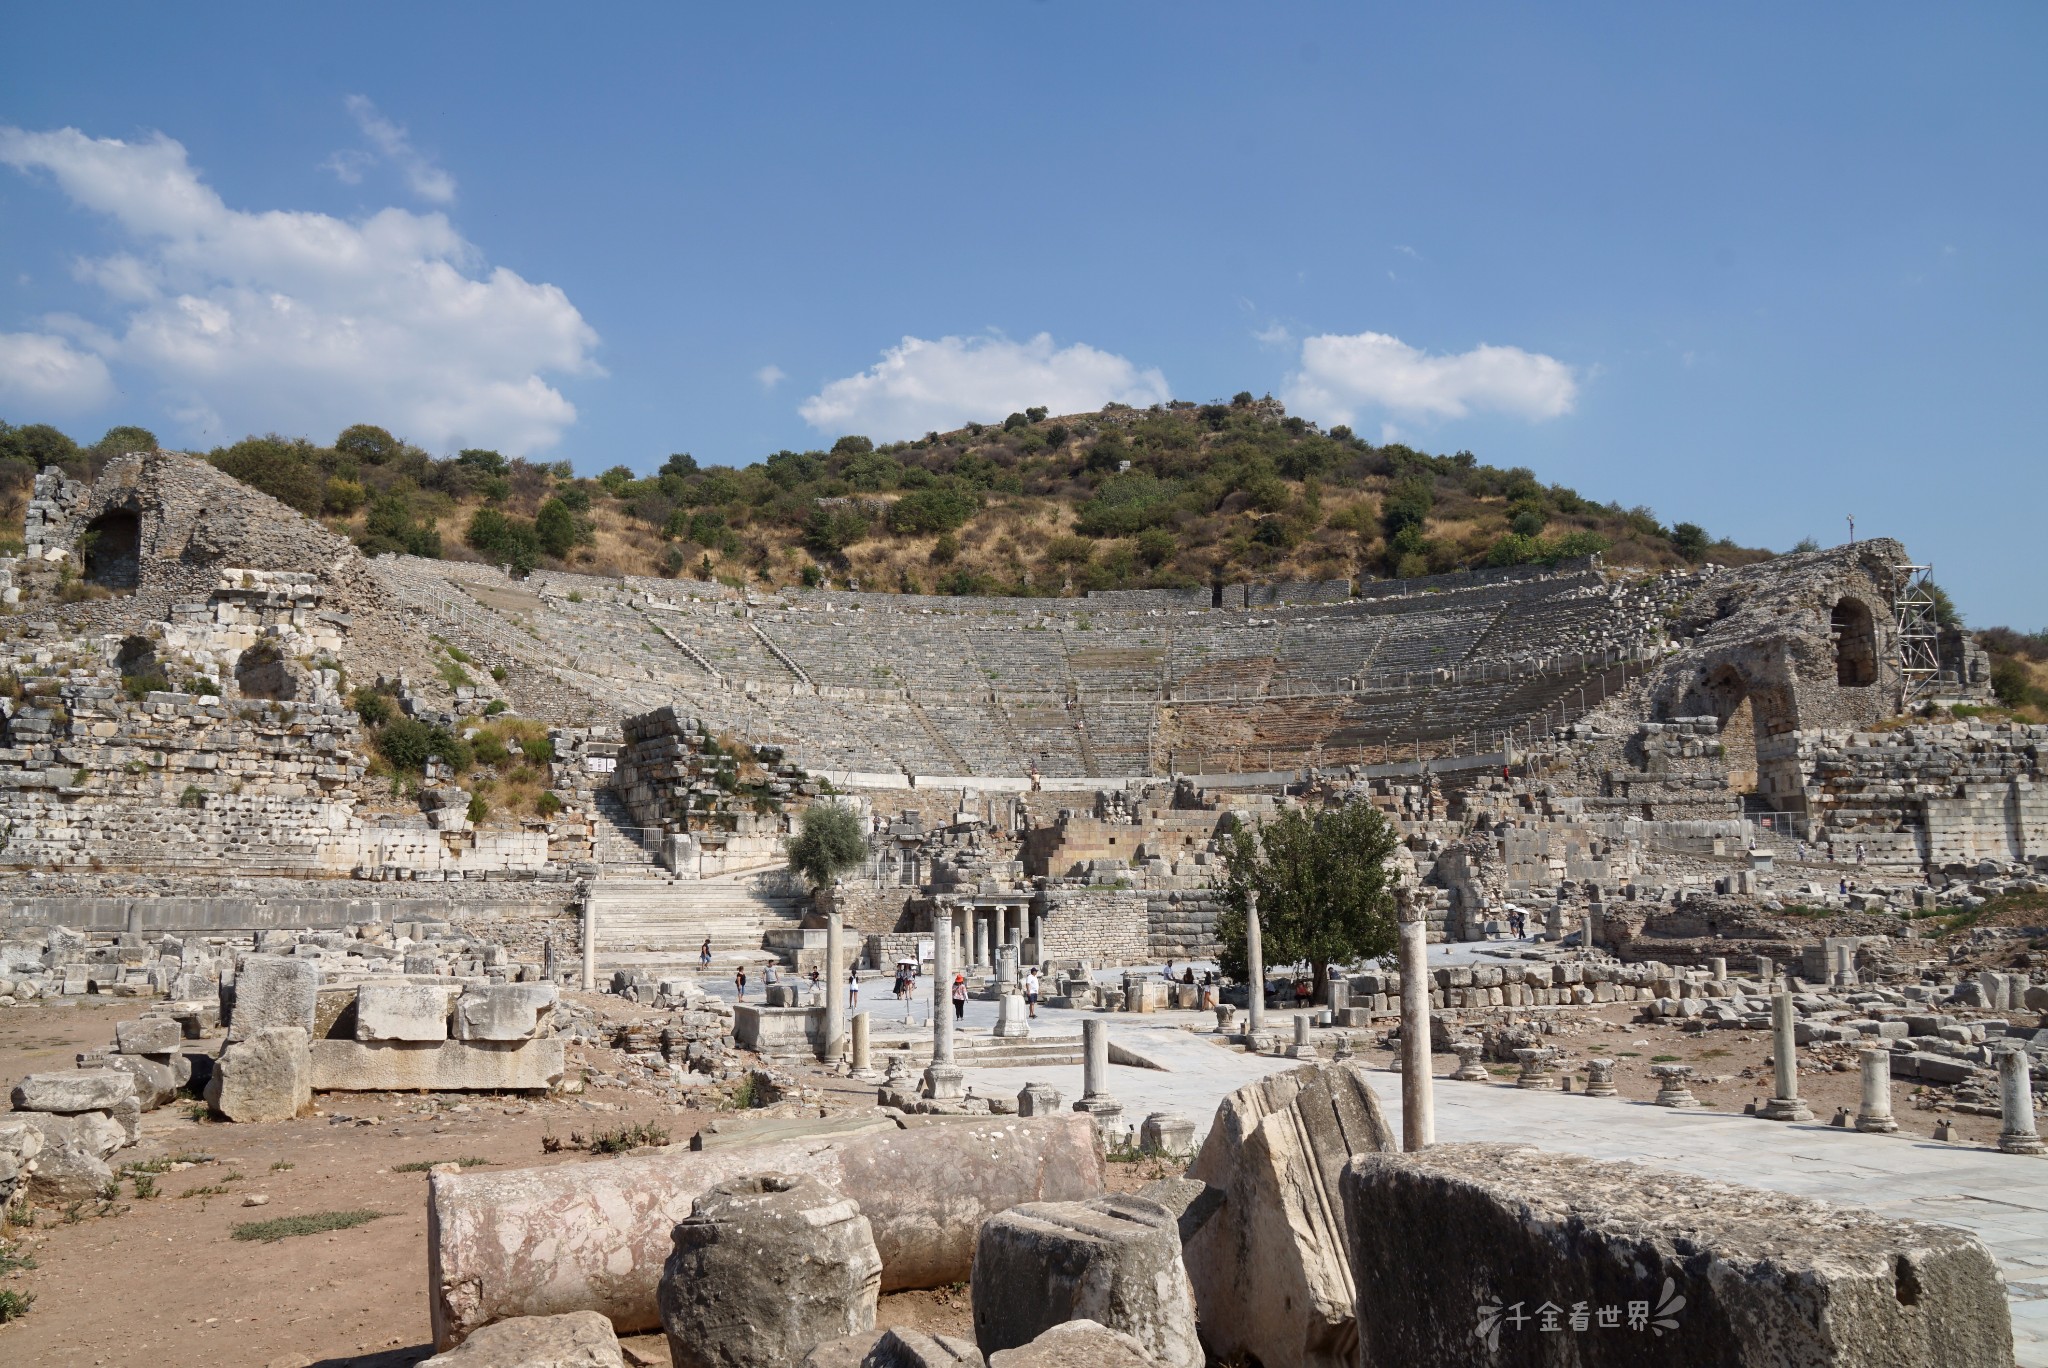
{"x": 1179, "y": 495}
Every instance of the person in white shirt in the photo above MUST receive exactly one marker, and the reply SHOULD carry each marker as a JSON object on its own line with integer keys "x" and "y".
{"x": 1031, "y": 992}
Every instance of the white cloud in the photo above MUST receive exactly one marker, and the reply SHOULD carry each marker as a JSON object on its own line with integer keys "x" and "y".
{"x": 768, "y": 377}
{"x": 1342, "y": 374}
{"x": 42, "y": 372}
{"x": 304, "y": 322}
{"x": 425, "y": 179}
{"x": 920, "y": 386}
{"x": 1273, "y": 335}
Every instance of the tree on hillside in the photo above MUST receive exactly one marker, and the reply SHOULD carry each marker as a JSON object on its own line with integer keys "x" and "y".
{"x": 829, "y": 843}
{"x": 1325, "y": 892}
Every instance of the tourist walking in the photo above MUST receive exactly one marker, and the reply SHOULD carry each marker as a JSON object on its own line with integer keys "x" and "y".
{"x": 739, "y": 981}
{"x": 905, "y": 986}
{"x": 1031, "y": 992}
{"x": 852, "y": 990}
{"x": 704, "y": 954}
{"x": 959, "y": 997}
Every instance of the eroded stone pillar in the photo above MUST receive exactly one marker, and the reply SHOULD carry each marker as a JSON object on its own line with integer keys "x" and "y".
{"x": 2018, "y": 1134}
{"x": 1095, "y": 1098}
{"x": 833, "y": 1047}
{"x": 1784, "y": 1104}
{"x": 980, "y": 939}
{"x": 863, "y": 1058}
{"x": 942, "y": 1078}
{"x": 1255, "y": 966}
{"x": 1303, "y": 1048}
{"x": 1876, "y": 1112}
{"x": 590, "y": 943}
{"x": 1418, "y": 1105}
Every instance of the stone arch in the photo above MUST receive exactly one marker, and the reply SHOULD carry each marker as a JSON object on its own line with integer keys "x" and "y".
{"x": 111, "y": 547}
{"x": 1854, "y": 629}
{"x": 262, "y": 671}
{"x": 1728, "y": 693}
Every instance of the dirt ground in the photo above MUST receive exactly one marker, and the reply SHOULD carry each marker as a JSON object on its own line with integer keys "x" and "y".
{"x": 161, "y": 1280}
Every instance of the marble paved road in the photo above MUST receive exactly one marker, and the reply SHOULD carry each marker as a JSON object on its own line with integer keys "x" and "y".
{"x": 2002, "y": 1198}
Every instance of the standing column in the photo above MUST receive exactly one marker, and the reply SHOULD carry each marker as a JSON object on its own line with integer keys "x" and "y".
{"x": 942, "y": 1081}
{"x": 980, "y": 938}
{"x": 1876, "y": 1111}
{"x": 2016, "y": 1099}
{"x": 1255, "y": 964}
{"x": 1418, "y": 1106}
{"x": 1785, "y": 1104}
{"x": 834, "y": 1044}
{"x": 863, "y": 1057}
{"x": 1095, "y": 1098}
{"x": 590, "y": 942}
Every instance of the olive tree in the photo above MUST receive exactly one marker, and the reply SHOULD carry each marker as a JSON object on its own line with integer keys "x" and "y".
{"x": 829, "y": 842}
{"x": 1326, "y": 894}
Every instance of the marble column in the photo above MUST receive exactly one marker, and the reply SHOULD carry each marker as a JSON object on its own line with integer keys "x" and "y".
{"x": 1095, "y": 1098}
{"x": 942, "y": 1071}
{"x": 980, "y": 938}
{"x": 833, "y": 1047}
{"x": 1418, "y": 1105}
{"x": 590, "y": 944}
{"x": 1876, "y": 1112}
{"x": 2018, "y": 1134}
{"x": 1255, "y": 962}
{"x": 863, "y": 1059}
{"x": 1784, "y": 1104}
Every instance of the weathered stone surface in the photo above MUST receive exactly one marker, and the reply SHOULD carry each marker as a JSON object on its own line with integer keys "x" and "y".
{"x": 93, "y": 1133}
{"x": 596, "y": 1236}
{"x": 579, "y": 1339}
{"x": 403, "y": 1011}
{"x": 273, "y": 990}
{"x": 895, "y": 1348}
{"x": 64, "y": 1174}
{"x": 503, "y": 1011}
{"x": 149, "y": 1036}
{"x": 1731, "y": 1274}
{"x": 1114, "y": 1260}
{"x": 20, "y": 1142}
{"x": 1076, "y": 1344}
{"x": 764, "y": 1269}
{"x": 264, "y": 1077}
{"x": 68, "y": 1092}
{"x": 449, "y": 1066}
{"x": 1270, "y": 1267}
{"x": 155, "y": 1081}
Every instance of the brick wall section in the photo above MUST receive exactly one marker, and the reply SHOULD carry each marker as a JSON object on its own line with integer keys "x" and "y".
{"x": 1102, "y": 926}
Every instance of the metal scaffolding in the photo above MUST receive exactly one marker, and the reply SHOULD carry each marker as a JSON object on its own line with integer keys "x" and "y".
{"x": 1917, "y": 630}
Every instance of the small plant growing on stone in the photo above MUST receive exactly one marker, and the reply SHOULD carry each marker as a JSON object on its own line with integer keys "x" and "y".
{"x": 478, "y": 808}
{"x": 575, "y": 597}
{"x": 547, "y": 805}
{"x": 281, "y": 1166}
{"x": 145, "y": 1185}
{"x": 193, "y": 797}
{"x": 319, "y": 1222}
{"x": 14, "y": 1305}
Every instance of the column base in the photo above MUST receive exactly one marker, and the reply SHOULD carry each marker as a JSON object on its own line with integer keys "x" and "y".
{"x": 1306, "y": 1053}
{"x": 1785, "y": 1109}
{"x": 943, "y": 1083}
{"x": 1876, "y": 1125}
{"x": 2021, "y": 1144}
{"x": 1599, "y": 1090}
{"x": 1107, "y": 1111}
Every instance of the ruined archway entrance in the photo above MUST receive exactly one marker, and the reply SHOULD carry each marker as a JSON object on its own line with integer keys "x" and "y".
{"x": 1855, "y": 632}
{"x": 111, "y": 547}
{"x": 1728, "y": 693}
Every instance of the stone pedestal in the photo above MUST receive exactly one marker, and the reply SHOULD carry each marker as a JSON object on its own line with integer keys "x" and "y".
{"x": 1167, "y": 1133}
{"x": 1469, "y": 1069}
{"x": 943, "y": 1083}
{"x": 1226, "y": 1019}
{"x": 1010, "y": 1018}
{"x": 1536, "y": 1072}
{"x": 1600, "y": 1078}
{"x": 899, "y": 1085}
{"x": 1671, "y": 1085}
{"x": 1876, "y": 1113}
{"x": 1343, "y": 1050}
{"x": 2018, "y": 1134}
{"x": 1785, "y": 1106}
{"x": 1303, "y": 1048}
{"x": 1038, "y": 1099}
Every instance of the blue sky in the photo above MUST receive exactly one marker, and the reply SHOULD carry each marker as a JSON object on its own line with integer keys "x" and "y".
{"x": 1758, "y": 267}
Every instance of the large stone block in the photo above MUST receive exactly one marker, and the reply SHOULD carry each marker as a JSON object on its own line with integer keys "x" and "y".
{"x": 273, "y": 990}
{"x": 149, "y": 1036}
{"x": 1113, "y": 1260}
{"x": 264, "y": 1077}
{"x": 64, "y": 1174}
{"x": 447, "y": 1066}
{"x": 1270, "y": 1265}
{"x": 895, "y": 1348}
{"x": 594, "y": 1237}
{"x": 1076, "y": 1344}
{"x": 580, "y": 1339}
{"x": 1451, "y": 1245}
{"x": 503, "y": 1011}
{"x": 403, "y": 1011}
{"x": 155, "y": 1079}
{"x": 765, "y": 1268}
{"x": 94, "y": 1133}
{"x": 68, "y": 1092}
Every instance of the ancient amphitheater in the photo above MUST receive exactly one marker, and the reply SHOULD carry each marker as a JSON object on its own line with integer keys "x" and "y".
{"x": 1725, "y": 799}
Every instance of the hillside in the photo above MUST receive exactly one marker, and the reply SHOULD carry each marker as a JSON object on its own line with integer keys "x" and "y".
{"x": 1175, "y": 496}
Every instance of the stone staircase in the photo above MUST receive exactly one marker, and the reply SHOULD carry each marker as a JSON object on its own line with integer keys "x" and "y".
{"x": 972, "y": 1050}
{"x": 646, "y": 919}
{"x": 615, "y": 840}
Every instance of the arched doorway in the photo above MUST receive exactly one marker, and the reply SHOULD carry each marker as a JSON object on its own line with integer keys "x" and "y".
{"x": 111, "y": 547}
{"x": 1855, "y": 632}
{"x": 1728, "y": 693}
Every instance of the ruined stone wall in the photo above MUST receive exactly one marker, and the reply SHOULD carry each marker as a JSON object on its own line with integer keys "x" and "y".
{"x": 1100, "y": 925}
{"x": 1956, "y": 793}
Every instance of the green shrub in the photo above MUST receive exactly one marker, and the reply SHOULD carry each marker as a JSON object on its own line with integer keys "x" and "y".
{"x": 373, "y": 708}
{"x": 511, "y": 541}
{"x": 547, "y": 805}
{"x": 478, "y": 808}
{"x": 496, "y": 706}
{"x": 407, "y": 742}
{"x": 555, "y": 528}
{"x": 317, "y": 1223}
{"x": 941, "y": 508}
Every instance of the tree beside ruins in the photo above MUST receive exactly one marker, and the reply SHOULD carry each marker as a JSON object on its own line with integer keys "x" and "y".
{"x": 1326, "y": 892}
{"x": 829, "y": 842}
